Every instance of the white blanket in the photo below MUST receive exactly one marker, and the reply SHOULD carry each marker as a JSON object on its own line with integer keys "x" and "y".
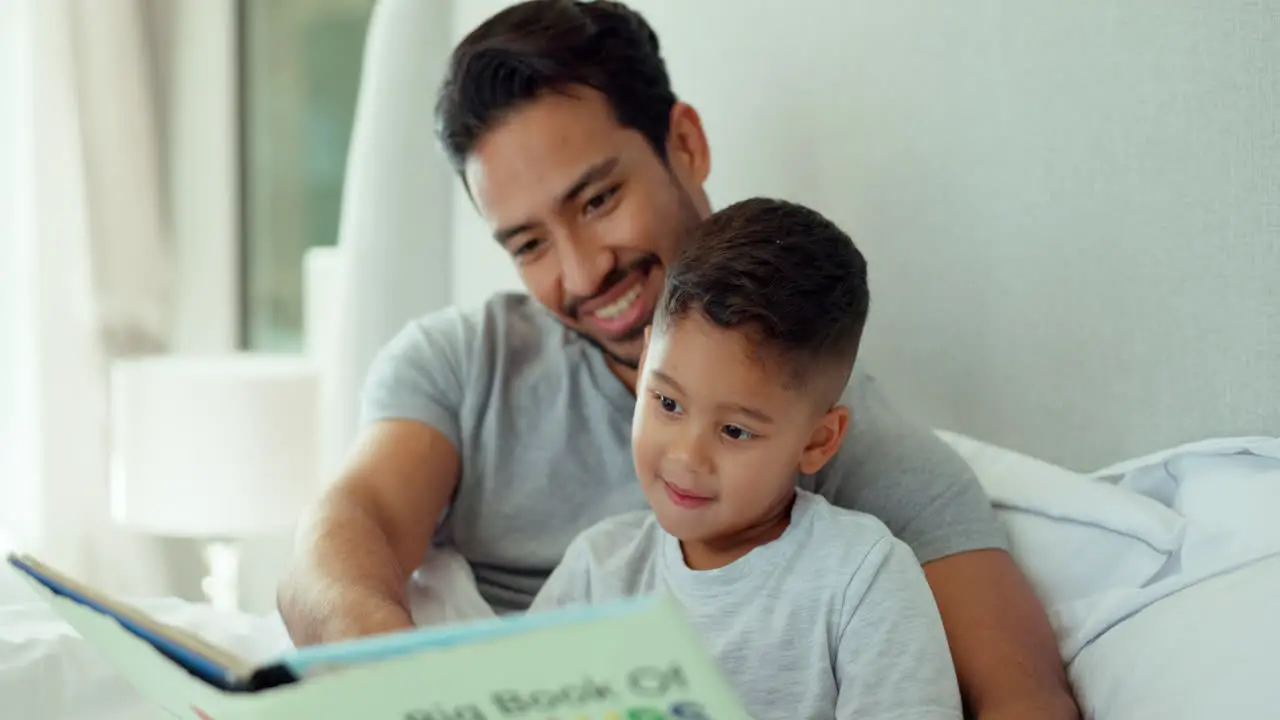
{"x": 1101, "y": 547}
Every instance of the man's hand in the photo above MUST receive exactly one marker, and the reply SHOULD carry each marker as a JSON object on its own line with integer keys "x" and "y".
{"x": 359, "y": 545}
{"x": 1005, "y": 652}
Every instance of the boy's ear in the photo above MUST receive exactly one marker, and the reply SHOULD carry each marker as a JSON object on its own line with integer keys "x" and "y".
{"x": 825, "y": 440}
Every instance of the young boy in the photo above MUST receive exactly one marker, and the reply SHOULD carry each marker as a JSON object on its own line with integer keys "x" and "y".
{"x": 812, "y": 611}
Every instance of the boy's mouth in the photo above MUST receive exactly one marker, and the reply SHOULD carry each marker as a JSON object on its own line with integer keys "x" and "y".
{"x": 684, "y": 498}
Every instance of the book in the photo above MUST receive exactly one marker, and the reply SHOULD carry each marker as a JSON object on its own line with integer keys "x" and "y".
{"x": 635, "y": 659}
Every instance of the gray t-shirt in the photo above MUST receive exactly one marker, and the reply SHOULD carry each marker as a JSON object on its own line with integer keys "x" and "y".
{"x": 543, "y": 428}
{"x": 833, "y": 619}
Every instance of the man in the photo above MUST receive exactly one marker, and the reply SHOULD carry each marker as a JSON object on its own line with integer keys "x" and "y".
{"x": 504, "y": 432}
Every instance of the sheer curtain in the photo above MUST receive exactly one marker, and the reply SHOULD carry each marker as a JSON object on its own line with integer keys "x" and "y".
{"x": 85, "y": 265}
{"x": 18, "y": 338}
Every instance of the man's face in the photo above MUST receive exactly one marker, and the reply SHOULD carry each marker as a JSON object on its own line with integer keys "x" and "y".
{"x": 717, "y": 437}
{"x": 587, "y": 210}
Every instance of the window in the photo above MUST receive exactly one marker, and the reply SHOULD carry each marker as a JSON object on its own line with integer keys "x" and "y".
{"x": 300, "y": 76}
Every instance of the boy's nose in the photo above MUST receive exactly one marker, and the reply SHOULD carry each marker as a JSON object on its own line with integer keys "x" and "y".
{"x": 689, "y": 459}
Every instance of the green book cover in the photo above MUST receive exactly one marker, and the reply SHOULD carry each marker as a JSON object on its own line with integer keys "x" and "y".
{"x": 633, "y": 660}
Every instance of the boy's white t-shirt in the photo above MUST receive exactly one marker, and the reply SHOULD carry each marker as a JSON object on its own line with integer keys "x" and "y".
{"x": 834, "y": 619}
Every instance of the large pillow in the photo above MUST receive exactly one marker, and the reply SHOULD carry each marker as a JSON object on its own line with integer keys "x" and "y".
{"x": 1074, "y": 537}
{"x": 1209, "y": 651}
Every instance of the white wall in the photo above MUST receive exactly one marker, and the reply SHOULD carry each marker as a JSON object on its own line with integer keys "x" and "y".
{"x": 1071, "y": 210}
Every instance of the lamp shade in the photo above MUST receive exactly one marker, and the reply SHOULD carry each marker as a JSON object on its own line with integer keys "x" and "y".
{"x": 213, "y": 447}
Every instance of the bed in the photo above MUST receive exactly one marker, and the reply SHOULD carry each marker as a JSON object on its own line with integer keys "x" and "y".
{"x": 1074, "y": 261}
{"x": 1160, "y": 576}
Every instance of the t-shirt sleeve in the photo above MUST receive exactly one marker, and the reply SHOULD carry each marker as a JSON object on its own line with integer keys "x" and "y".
{"x": 420, "y": 375}
{"x": 892, "y": 660}
{"x": 570, "y": 582}
{"x": 907, "y": 477}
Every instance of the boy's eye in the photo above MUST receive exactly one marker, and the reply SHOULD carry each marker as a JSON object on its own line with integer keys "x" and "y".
{"x": 733, "y": 432}
{"x": 667, "y": 404}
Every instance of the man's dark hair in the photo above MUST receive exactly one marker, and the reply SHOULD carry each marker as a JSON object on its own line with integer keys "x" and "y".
{"x": 784, "y": 274}
{"x": 545, "y": 46}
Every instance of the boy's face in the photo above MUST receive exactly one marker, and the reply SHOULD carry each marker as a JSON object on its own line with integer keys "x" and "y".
{"x": 717, "y": 438}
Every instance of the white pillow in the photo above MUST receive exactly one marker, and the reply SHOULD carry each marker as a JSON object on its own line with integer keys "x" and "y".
{"x": 443, "y": 590}
{"x": 1209, "y": 651}
{"x": 1074, "y": 537}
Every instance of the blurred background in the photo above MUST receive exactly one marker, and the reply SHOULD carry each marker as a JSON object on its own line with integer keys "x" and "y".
{"x": 299, "y": 74}
{"x": 164, "y": 167}
{"x": 1071, "y": 212}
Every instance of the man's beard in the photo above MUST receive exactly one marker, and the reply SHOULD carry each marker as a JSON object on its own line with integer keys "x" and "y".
{"x": 645, "y": 265}
{"x": 688, "y": 220}
{"x": 629, "y": 363}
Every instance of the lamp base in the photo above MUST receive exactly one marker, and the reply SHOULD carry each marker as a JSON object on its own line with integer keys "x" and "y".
{"x": 222, "y": 585}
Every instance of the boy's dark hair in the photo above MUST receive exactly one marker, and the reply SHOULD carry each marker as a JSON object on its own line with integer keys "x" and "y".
{"x": 783, "y": 273}
{"x": 543, "y": 46}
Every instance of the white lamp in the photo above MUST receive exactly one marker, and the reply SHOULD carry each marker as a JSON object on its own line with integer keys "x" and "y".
{"x": 217, "y": 448}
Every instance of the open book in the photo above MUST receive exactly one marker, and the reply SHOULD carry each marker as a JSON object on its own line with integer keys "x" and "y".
{"x": 636, "y": 659}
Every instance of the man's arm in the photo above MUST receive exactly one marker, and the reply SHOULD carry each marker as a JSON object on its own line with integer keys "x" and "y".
{"x": 366, "y": 535}
{"x": 1005, "y": 652}
{"x": 358, "y": 546}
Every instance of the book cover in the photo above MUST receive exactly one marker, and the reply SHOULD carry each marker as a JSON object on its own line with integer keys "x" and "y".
{"x": 636, "y": 659}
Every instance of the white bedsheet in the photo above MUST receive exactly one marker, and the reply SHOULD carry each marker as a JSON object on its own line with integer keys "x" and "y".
{"x": 48, "y": 673}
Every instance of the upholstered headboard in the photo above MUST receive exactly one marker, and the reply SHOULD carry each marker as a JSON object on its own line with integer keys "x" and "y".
{"x": 1071, "y": 209}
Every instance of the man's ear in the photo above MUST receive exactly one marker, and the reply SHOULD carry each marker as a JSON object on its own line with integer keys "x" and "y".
{"x": 825, "y": 440}
{"x": 687, "y": 146}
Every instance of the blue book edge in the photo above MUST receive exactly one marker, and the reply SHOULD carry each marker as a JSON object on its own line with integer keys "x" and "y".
{"x": 223, "y": 670}
{"x": 209, "y": 663}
